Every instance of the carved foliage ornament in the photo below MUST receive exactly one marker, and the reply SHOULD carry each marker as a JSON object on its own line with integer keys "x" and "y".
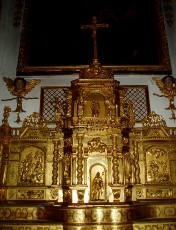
{"x": 153, "y": 120}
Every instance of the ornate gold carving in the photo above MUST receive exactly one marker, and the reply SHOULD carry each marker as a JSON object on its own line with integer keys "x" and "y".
{"x": 91, "y": 160}
{"x": 3, "y": 194}
{"x": 12, "y": 172}
{"x": 97, "y": 187}
{"x": 56, "y": 162}
{"x": 136, "y": 168}
{"x": 67, "y": 195}
{"x": 54, "y": 193}
{"x": 5, "y": 148}
{"x": 159, "y": 193}
{"x": 167, "y": 86}
{"x": 173, "y": 170}
{"x": 32, "y": 166}
{"x": 115, "y": 160}
{"x": 95, "y": 108}
{"x": 128, "y": 193}
{"x": 153, "y": 120}
{"x": 96, "y": 145}
{"x": 34, "y": 120}
{"x": 67, "y": 168}
{"x": 158, "y": 167}
{"x": 30, "y": 194}
{"x": 80, "y": 160}
{"x": 139, "y": 193}
{"x": 19, "y": 88}
{"x": 69, "y": 102}
{"x": 80, "y": 194}
{"x": 95, "y": 71}
{"x": 116, "y": 193}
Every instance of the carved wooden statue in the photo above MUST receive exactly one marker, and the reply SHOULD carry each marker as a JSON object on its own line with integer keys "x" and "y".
{"x": 19, "y": 87}
{"x": 167, "y": 86}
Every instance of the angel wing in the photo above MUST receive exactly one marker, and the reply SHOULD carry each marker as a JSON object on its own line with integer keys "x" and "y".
{"x": 159, "y": 83}
{"x": 9, "y": 84}
{"x": 165, "y": 91}
{"x": 28, "y": 87}
{"x": 31, "y": 84}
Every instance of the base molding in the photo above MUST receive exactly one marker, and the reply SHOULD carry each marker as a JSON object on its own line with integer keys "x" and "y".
{"x": 126, "y": 216}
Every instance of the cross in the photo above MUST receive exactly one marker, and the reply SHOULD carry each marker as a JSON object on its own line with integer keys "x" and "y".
{"x": 94, "y": 26}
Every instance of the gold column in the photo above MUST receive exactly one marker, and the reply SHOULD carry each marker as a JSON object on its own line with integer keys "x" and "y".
{"x": 115, "y": 166}
{"x": 80, "y": 160}
{"x": 85, "y": 171}
{"x": 6, "y": 130}
{"x": 74, "y": 171}
{"x": 5, "y": 160}
{"x": 136, "y": 163}
{"x": 60, "y": 177}
{"x": 55, "y": 162}
{"x": 109, "y": 171}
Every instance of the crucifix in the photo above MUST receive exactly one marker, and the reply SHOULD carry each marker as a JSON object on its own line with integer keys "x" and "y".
{"x": 94, "y": 27}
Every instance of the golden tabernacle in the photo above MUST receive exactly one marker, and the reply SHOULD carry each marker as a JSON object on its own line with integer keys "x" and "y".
{"x": 93, "y": 169}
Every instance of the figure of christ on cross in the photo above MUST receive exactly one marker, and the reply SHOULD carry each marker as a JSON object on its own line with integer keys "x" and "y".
{"x": 94, "y": 26}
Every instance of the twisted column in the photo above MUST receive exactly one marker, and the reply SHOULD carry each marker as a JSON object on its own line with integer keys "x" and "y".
{"x": 80, "y": 160}
{"x": 115, "y": 162}
{"x": 55, "y": 162}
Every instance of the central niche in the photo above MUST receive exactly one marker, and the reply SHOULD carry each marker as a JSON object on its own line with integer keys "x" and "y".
{"x": 98, "y": 176}
{"x": 95, "y": 105}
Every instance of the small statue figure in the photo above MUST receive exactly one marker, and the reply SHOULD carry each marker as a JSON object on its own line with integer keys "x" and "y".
{"x": 167, "y": 86}
{"x": 97, "y": 187}
{"x": 81, "y": 104}
{"x": 6, "y": 115}
{"x": 6, "y": 129}
{"x": 95, "y": 108}
{"x": 58, "y": 113}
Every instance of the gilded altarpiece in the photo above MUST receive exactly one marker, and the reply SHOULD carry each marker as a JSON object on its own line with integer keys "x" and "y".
{"x": 93, "y": 169}
{"x": 157, "y": 160}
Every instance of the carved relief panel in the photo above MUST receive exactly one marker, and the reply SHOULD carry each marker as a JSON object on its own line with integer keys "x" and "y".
{"x": 157, "y": 164}
{"x": 32, "y": 166}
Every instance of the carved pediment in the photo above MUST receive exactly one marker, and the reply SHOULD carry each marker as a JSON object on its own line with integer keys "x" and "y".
{"x": 34, "y": 133}
{"x": 155, "y": 132}
{"x": 154, "y": 126}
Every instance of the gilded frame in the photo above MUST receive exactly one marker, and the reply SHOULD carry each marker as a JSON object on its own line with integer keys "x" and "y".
{"x": 162, "y": 67}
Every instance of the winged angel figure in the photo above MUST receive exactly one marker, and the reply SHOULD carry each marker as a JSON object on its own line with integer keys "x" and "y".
{"x": 19, "y": 87}
{"x": 167, "y": 86}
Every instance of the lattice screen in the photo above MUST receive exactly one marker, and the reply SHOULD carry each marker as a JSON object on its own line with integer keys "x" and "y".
{"x": 138, "y": 95}
{"x": 47, "y": 107}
